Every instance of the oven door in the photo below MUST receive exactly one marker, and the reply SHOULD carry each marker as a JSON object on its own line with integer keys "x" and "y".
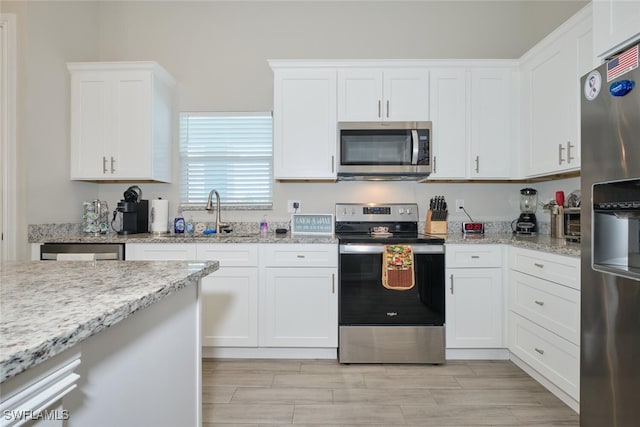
{"x": 363, "y": 300}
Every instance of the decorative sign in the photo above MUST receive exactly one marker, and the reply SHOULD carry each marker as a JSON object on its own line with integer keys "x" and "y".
{"x": 319, "y": 224}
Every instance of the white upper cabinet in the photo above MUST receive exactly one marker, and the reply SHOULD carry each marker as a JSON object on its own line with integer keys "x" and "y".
{"x": 471, "y": 111}
{"x": 449, "y": 122}
{"x": 551, "y": 74}
{"x": 615, "y": 23}
{"x": 304, "y": 123}
{"x": 371, "y": 94}
{"x": 121, "y": 121}
{"x": 491, "y": 135}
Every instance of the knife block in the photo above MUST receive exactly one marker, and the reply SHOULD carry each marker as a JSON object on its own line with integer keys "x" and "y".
{"x": 434, "y": 227}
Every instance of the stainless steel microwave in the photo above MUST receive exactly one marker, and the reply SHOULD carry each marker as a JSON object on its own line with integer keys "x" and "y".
{"x": 384, "y": 150}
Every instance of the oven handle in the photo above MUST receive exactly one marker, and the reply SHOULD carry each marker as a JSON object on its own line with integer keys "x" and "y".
{"x": 357, "y": 249}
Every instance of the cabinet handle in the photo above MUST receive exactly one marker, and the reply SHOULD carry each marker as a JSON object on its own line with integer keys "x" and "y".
{"x": 540, "y": 303}
{"x": 333, "y": 164}
{"x": 475, "y": 256}
{"x": 104, "y": 164}
{"x": 379, "y": 108}
{"x": 113, "y": 170}
{"x": 477, "y": 164}
{"x": 333, "y": 283}
{"x": 539, "y": 350}
{"x": 434, "y": 164}
{"x": 300, "y": 256}
{"x": 538, "y": 265}
{"x": 387, "y": 108}
{"x": 560, "y": 150}
{"x": 451, "y": 288}
{"x": 569, "y": 147}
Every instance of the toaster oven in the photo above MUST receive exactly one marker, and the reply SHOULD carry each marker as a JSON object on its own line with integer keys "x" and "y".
{"x": 571, "y": 224}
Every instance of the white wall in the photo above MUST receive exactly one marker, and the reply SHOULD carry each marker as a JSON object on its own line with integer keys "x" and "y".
{"x": 217, "y": 51}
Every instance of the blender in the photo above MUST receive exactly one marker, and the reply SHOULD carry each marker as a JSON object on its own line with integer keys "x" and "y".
{"x": 526, "y": 222}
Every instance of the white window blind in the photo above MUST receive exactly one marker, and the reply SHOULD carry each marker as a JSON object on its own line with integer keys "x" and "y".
{"x": 229, "y": 152}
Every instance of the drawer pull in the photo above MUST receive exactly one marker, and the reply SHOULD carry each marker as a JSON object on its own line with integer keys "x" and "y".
{"x": 538, "y": 265}
{"x": 540, "y": 303}
{"x": 475, "y": 256}
{"x": 300, "y": 256}
{"x": 539, "y": 350}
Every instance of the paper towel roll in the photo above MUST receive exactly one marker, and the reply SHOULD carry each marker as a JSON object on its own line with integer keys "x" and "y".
{"x": 159, "y": 216}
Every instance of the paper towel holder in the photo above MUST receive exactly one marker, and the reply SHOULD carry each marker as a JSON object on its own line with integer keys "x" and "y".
{"x": 159, "y": 216}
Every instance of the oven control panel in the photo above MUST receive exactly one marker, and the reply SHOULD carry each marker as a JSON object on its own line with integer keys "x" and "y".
{"x": 376, "y": 212}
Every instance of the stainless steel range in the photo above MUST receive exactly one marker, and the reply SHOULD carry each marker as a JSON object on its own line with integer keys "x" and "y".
{"x": 378, "y": 322}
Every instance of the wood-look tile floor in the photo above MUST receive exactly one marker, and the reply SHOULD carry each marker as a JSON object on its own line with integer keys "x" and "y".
{"x": 325, "y": 393}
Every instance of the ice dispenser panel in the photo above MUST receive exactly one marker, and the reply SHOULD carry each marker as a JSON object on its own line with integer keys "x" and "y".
{"x": 616, "y": 227}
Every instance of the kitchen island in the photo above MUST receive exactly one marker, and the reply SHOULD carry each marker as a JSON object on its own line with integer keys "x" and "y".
{"x": 101, "y": 343}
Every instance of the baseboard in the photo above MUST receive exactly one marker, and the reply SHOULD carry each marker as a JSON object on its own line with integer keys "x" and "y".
{"x": 269, "y": 353}
{"x": 477, "y": 354}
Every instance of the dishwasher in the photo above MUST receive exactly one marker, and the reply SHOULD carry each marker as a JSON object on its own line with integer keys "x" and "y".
{"x": 82, "y": 251}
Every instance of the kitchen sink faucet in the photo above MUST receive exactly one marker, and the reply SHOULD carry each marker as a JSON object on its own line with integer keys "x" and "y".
{"x": 219, "y": 224}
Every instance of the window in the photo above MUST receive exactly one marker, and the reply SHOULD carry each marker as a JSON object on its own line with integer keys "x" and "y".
{"x": 229, "y": 152}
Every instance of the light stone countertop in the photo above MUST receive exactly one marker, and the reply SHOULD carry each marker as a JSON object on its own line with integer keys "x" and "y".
{"x": 54, "y": 233}
{"x": 49, "y": 306}
{"x": 539, "y": 243}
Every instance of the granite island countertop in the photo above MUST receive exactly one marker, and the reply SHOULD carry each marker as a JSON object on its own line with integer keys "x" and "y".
{"x": 48, "y": 307}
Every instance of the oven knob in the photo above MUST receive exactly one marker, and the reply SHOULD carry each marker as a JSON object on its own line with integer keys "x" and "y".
{"x": 408, "y": 211}
{"x": 401, "y": 211}
{"x": 344, "y": 211}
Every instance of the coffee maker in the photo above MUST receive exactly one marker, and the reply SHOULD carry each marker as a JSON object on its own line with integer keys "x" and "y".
{"x": 133, "y": 211}
{"x": 526, "y": 222}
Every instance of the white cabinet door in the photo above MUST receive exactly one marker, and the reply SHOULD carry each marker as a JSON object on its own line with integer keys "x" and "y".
{"x": 121, "y": 121}
{"x": 491, "y": 123}
{"x": 300, "y": 307}
{"x": 160, "y": 251}
{"x": 406, "y": 95}
{"x": 366, "y": 94}
{"x": 230, "y": 308}
{"x": 360, "y": 96}
{"x": 551, "y": 93}
{"x": 615, "y": 22}
{"x": 449, "y": 117}
{"x": 474, "y": 308}
{"x": 304, "y": 124}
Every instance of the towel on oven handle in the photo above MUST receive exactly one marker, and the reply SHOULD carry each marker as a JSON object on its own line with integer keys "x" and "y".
{"x": 397, "y": 267}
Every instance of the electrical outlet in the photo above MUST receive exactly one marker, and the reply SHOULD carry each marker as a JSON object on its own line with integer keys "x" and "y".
{"x": 293, "y": 206}
{"x": 459, "y": 204}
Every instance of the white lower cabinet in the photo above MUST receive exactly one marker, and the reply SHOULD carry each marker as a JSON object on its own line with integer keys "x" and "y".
{"x": 299, "y": 296}
{"x": 544, "y": 319}
{"x": 474, "y": 296}
{"x": 230, "y": 296}
{"x": 264, "y": 296}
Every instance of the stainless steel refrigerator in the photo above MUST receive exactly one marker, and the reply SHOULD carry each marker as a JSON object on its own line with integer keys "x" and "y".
{"x": 610, "y": 244}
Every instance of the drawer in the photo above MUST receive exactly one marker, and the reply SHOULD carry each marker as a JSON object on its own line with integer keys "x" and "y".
{"x": 160, "y": 252}
{"x": 292, "y": 255}
{"x": 229, "y": 254}
{"x": 550, "y": 305}
{"x": 473, "y": 256}
{"x": 556, "y": 268}
{"x": 555, "y": 358}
